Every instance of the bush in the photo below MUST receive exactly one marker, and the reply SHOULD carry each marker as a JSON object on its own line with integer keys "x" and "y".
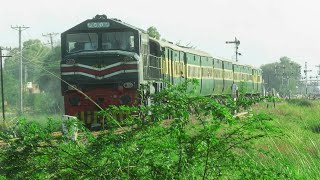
{"x": 42, "y": 103}
{"x": 300, "y": 102}
{"x": 207, "y": 144}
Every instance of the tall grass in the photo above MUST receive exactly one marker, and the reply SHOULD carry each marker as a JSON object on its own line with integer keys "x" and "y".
{"x": 41, "y": 119}
{"x": 299, "y": 148}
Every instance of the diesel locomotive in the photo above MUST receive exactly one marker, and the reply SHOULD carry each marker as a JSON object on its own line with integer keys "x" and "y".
{"x": 109, "y": 60}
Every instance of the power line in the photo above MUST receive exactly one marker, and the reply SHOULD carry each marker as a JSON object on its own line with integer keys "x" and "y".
{"x": 20, "y": 29}
{"x": 50, "y": 35}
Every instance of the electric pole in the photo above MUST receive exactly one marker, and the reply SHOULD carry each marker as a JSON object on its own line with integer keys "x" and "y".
{"x": 20, "y": 29}
{"x": 50, "y": 35}
{"x": 318, "y": 69}
{"x": 306, "y": 74}
{"x": 2, "y": 93}
{"x": 237, "y": 43}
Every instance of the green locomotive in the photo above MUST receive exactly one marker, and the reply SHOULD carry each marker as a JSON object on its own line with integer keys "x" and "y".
{"x": 108, "y": 60}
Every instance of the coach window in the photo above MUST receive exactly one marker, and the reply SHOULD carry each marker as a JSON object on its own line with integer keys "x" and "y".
{"x": 82, "y": 42}
{"x": 155, "y": 48}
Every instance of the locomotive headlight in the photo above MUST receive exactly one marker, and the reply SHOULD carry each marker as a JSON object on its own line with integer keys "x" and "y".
{"x": 128, "y": 85}
{"x": 70, "y": 61}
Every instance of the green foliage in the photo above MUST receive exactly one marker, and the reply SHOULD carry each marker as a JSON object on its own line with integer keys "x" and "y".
{"x": 181, "y": 135}
{"x": 298, "y": 149}
{"x": 300, "y": 102}
{"x": 153, "y": 32}
{"x": 244, "y": 101}
{"x": 283, "y": 76}
{"x": 34, "y": 52}
{"x": 11, "y": 89}
{"x": 37, "y": 61}
{"x": 42, "y": 103}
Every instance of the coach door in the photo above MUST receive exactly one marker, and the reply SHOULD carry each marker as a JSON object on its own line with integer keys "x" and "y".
{"x": 206, "y": 76}
{"x": 217, "y": 75}
{"x": 175, "y": 67}
{"x": 182, "y": 69}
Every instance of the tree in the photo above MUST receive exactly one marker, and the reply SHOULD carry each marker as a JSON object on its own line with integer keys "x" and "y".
{"x": 283, "y": 76}
{"x": 33, "y": 54}
{"x": 49, "y": 81}
{"x": 153, "y": 32}
{"x": 38, "y": 59}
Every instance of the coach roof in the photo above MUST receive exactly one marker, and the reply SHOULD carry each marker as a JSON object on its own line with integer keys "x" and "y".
{"x": 181, "y": 48}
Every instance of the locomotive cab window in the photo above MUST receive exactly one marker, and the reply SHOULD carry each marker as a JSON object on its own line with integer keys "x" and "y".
{"x": 82, "y": 42}
{"x": 118, "y": 41}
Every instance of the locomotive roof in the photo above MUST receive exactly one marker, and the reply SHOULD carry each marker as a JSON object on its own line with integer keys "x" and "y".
{"x": 116, "y": 23}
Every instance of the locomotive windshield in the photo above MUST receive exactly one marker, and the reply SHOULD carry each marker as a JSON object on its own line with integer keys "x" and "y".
{"x": 82, "y": 42}
{"x": 118, "y": 41}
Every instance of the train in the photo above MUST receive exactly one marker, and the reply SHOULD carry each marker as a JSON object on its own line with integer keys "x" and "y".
{"x": 109, "y": 60}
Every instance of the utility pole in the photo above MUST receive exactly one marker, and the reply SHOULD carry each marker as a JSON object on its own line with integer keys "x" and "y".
{"x": 50, "y": 35}
{"x": 237, "y": 43}
{"x": 318, "y": 69}
{"x": 2, "y": 93}
{"x": 306, "y": 74}
{"x": 20, "y": 29}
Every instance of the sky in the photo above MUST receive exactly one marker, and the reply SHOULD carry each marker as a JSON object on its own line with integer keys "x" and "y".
{"x": 267, "y": 29}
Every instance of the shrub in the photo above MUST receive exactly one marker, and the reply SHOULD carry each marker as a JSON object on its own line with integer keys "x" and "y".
{"x": 300, "y": 102}
{"x": 208, "y": 143}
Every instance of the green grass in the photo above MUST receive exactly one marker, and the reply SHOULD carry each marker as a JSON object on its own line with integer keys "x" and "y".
{"x": 299, "y": 148}
{"x": 41, "y": 119}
